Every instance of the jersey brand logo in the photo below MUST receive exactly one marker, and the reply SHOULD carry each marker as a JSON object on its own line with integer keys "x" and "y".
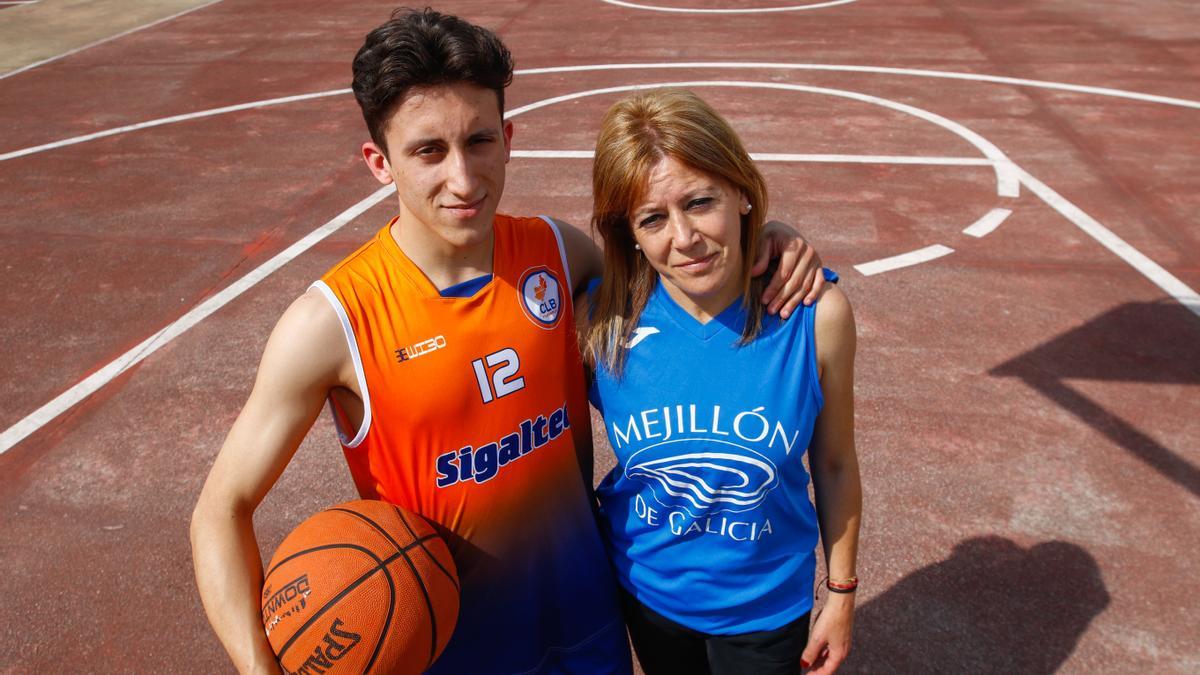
{"x": 640, "y": 333}
{"x": 420, "y": 349}
{"x": 541, "y": 296}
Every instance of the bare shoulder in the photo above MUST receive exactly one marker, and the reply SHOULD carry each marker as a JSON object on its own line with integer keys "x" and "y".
{"x": 308, "y": 344}
{"x": 834, "y": 324}
{"x": 833, "y": 306}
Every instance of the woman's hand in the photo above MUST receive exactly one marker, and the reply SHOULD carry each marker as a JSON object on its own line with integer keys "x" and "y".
{"x": 798, "y": 277}
{"x": 829, "y": 640}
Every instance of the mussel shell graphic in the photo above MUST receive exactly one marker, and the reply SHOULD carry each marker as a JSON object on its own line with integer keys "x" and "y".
{"x": 704, "y": 476}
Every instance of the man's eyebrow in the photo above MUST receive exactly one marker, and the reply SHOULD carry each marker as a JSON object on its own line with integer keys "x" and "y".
{"x": 421, "y": 142}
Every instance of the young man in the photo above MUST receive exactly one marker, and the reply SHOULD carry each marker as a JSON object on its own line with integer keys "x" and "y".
{"x": 446, "y": 349}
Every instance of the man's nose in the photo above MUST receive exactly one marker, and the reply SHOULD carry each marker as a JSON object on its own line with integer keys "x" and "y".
{"x": 461, "y": 178}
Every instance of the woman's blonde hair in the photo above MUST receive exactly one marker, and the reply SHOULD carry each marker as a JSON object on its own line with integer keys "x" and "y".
{"x": 638, "y": 132}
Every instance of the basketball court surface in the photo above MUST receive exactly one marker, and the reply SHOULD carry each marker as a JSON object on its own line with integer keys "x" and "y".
{"x": 1008, "y": 189}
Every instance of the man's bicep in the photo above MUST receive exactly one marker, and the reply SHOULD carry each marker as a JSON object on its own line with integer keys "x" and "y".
{"x": 299, "y": 365}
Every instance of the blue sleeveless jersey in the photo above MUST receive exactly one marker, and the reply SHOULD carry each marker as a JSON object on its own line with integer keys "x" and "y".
{"x": 707, "y": 516}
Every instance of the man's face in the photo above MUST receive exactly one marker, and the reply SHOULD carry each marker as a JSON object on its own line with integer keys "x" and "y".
{"x": 446, "y": 150}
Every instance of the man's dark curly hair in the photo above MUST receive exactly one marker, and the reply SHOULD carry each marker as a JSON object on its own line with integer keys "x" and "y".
{"x": 421, "y": 48}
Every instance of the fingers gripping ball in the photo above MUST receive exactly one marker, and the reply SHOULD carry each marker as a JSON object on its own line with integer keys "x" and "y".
{"x": 362, "y": 587}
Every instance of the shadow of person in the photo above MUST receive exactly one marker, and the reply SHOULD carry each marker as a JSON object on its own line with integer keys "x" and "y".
{"x": 990, "y": 607}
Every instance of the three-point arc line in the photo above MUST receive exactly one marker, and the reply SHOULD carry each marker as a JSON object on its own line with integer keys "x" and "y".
{"x": 1154, "y": 272}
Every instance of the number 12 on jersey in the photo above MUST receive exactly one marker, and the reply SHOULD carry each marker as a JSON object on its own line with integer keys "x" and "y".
{"x": 502, "y": 382}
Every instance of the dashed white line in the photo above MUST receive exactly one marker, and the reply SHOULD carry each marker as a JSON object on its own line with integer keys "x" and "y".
{"x": 903, "y": 260}
{"x": 63, "y": 402}
{"x": 989, "y": 222}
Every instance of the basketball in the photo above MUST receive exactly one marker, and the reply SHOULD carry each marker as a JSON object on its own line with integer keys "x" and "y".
{"x": 362, "y": 587}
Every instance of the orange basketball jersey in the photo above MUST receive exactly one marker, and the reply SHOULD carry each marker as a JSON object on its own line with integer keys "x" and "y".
{"x": 473, "y": 410}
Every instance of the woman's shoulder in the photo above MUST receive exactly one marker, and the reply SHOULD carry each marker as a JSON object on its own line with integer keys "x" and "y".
{"x": 832, "y": 305}
{"x": 833, "y": 322}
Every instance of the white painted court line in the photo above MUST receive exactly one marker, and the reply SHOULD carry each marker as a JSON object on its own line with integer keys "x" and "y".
{"x": 1102, "y": 91}
{"x": 880, "y": 70}
{"x": 989, "y": 222}
{"x": 63, "y": 402}
{"x": 751, "y": 10}
{"x": 167, "y": 120}
{"x": 903, "y": 260}
{"x": 1108, "y": 239}
{"x": 1007, "y": 184}
{"x": 20, "y": 2}
{"x": 107, "y": 39}
{"x": 788, "y": 157}
{"x": 872, "y": 159}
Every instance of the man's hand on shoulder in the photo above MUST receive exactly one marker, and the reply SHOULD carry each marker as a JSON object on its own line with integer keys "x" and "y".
{"x": 797, "y": 278}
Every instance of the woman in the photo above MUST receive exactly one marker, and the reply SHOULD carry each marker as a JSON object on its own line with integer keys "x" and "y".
{"x": 709, "y": 405}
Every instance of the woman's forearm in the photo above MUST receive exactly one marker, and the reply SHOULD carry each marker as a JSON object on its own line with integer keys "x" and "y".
{"x": 839, "y": 512}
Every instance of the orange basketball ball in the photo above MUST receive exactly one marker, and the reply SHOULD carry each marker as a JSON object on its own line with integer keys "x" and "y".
{"x": 362, "y": 587}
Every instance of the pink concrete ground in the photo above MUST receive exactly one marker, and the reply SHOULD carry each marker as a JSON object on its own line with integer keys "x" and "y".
{"x": 1028, "y": 417}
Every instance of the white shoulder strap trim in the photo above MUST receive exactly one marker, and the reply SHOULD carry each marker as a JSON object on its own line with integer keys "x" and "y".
{"x": 562, "y": 252}
{"x": 348, "y": 330}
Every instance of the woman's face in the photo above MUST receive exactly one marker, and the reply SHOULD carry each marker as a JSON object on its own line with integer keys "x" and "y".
{"x": 689, "y": 226}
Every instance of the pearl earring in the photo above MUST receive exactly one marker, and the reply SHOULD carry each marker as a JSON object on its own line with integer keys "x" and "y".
{"x": 637, "y": 247}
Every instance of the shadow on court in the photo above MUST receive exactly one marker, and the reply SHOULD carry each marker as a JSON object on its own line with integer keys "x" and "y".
{"x": 991, "y": 607}
{"x": 1156, "y": 343}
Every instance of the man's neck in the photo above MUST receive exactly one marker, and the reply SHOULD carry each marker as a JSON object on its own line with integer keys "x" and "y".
{"x": 443, "y": 263}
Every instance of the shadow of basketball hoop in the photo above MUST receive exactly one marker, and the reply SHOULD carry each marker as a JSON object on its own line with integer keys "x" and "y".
{"x": 991, "y": 607}
{"x": 1137, "y": 342}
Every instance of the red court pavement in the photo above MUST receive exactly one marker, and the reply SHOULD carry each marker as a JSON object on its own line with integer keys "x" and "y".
{"x": 1028, "y": 418}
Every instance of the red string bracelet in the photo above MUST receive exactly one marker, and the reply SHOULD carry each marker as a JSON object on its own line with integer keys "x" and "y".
{"x": 841, "y": 585}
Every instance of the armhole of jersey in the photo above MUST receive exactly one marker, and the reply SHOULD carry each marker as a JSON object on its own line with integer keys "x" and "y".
{"x": 348, "y": 330}
{"x": 810, "y": 330}
{"x": 562, "y": 253}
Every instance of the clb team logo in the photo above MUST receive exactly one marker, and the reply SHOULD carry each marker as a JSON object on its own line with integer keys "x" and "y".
{"x": 703, "y": 478}
{"x": 541, "y": 297}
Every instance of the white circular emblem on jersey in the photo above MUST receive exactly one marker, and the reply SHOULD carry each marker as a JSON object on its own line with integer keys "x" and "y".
{"x": 541, "y": 296}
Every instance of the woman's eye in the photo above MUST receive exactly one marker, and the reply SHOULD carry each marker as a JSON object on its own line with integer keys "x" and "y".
{"x": 701, "y": 201}
{"x": 648, "y": 220}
